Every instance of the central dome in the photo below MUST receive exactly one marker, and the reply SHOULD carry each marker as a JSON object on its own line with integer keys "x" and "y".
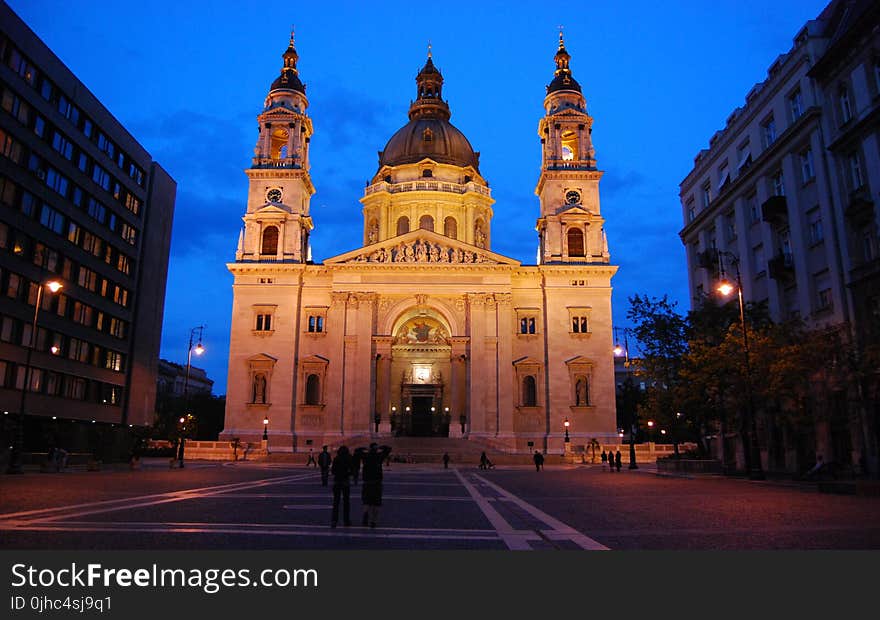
{"x": 424, "y": 137}
{"x": 429, "y": 132}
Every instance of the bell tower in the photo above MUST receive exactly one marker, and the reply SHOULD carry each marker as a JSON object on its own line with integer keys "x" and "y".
{"x": 570, "y": 225}
{"x": 277, "y": 222}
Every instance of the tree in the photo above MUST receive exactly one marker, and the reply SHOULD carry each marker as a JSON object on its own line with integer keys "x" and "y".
{"x": 661, "y": 334}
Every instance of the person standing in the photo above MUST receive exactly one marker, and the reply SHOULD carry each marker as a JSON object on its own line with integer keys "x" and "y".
{"x": 604, "y": 458}
{"x": 617, "y": 461}
{"x": 311, "y": 460}
{"x": 355, "y": 466}
{"x": 539, "y": 461}
{"x": 324, "y": 461}
{"x": 371, "y": 490}
{"x": 341, "y": 470}
{"x": 484, "y": 460}
{"x": 445, "y": 460}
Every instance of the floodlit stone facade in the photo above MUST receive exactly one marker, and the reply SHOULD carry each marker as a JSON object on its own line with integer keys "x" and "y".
{"x": 422, "y": 330}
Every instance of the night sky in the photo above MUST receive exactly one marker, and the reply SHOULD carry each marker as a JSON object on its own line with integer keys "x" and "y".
{"x": 187, "y": 79}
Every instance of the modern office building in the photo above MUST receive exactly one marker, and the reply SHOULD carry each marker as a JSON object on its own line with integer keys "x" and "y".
{"x": 787, "y": 193}
{"x": 423, "y": 330}
{"x": 81, "y": 203}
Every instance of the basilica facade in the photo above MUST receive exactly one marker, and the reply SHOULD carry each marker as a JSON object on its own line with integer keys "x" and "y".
{"x": 423, "y": 330}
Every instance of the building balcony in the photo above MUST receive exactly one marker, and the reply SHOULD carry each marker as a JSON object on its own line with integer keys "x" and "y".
{"x": 707, "y": 259}
{"x": 266, "y": 162}
{"x": 860, "y": 208}
{"x": 775, "y": 210}
{"x": 781, "y": 267}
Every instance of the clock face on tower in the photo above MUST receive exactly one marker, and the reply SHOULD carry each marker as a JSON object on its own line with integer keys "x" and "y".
{"x": 273, "y": 195}
{"x": 572, "y": 197}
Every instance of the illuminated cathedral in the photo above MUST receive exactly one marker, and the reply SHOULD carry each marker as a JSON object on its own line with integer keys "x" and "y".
{"x": 422, "y": 330}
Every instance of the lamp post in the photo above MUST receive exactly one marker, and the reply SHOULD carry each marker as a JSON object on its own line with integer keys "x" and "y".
{"x": 266, "y": 432}
{"x": 15, "y": 458}
{"x": 199, "y": 349}
{"x": 623, "y": 351}
{"x": 749, "y": 427}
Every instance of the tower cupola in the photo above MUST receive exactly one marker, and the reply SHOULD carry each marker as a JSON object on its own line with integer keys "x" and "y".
{"x": 289, "y": 78}
{"x": 562, "y": 79}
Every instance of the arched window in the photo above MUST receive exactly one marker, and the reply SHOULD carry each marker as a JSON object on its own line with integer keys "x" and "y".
{"x": 283, "y": 153}
{"x": 313, "y": 390}
{"x": 529, "y": 392}
{"x": 426, "y": 222}
{"x": 403, "y": 225}
{"x": 575, "y": 242}
{"x": 270, "y": 241}
{"x": 581, "y": 392}
{"x": 450, "y": 227}
{"x": 259, "y": 392}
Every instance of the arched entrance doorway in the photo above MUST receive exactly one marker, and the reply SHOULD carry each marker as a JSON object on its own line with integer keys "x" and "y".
{"x": 421, "y": 365}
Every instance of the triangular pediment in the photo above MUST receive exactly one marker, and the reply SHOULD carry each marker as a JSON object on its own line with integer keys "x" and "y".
{"x": 269, "y": 208}
{"x": 526, "y": 361}
{"x": 422, "y": 247}
{"x": 579, "y": 360}
{"x": 574, "y": 210}
{"x": 262, "y": 357}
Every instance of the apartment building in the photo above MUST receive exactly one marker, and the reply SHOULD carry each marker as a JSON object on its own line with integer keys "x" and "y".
{"x": 81, "y": 203}
{"x": 786, "y": 194}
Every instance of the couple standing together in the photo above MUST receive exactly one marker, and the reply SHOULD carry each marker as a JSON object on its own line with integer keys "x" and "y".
{"x": 342, "y": 469}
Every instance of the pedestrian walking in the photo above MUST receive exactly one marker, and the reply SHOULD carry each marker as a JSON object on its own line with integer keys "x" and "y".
{"x": 311, "y": 462}
{"x": 617, "y": 461}
{"x": 324, "y": 461}
{"x": 485, "y": 463}
{"x": 539, "y": 461}
{"x": 604, "y": 458}
{"x": 341, "y": 470}
{"x": 371, "y": 490}
{"x": 445, "y": 460}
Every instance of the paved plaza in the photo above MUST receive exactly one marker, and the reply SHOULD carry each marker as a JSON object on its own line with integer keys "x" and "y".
{"x": 211, "y": 505}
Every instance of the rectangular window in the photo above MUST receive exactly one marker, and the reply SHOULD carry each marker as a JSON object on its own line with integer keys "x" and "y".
{"x": 74, "y": 388}
{"x": 316, "y": 323}
{"x": 579, "y": 325}
{"x": 62, "y": 145}
{"x": 51, "y": 219}
{"x": 730, "y": 226}
{"x": 843, "y": 100}
{"x": 807, "y": 171}
{"x": 40, "y": 126}
{"x": 855, "y": 171}
{"x": 743, "y": 156}
{"x": 117, "y": 327}
{"x": 723, "y": 177}
{"x": 129, "y": 234}
{"x": 46, "y": 89}
{"x": 97, "y": 211}
{"x": 777, "y": 184}
{"x": 120, "y": 296}
{"x": 101, "y": 176}
{"x": 123, "y": 264}
{"x": 691, "y": 210}
{"x": 814, "y": 231}
{"x": 527, "y": 325}
{"x": 706, "y": 196}
{"x": 132, "y": 203}
{"x": 758, "y": 264}
{"x": 869, "y": 251}
{"x": 74, "y": 233}
{"x": 264, "y": 323}
{"x": 768, "y": 132}
{"x": 82, "y": 162}
{"x": 87, "y": 278}
{"x": 796, "y": 105}
{"x": 10, "y": 148}
{"x": 113, "y": 361}
{"x": 82, "y": 313}
{"x": 57, "y": 181}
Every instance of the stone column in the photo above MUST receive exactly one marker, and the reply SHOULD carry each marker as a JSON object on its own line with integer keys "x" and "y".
{"x": 478, "y": 379}
{"x": 383, "y": 383}
{"x": 506, "y": 388}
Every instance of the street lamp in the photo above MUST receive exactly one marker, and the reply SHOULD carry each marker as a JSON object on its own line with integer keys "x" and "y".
{"x": 198, "y": 349}
{"x": 623, "y": 351}
{"x": 749, "y": 429}
{"x": 566, "y": 424}
{"x": 15, "y": 458}
{"x": 266, "y": 432}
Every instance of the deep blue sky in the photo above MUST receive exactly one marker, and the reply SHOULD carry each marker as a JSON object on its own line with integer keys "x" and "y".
{"x": 188, "y": 78}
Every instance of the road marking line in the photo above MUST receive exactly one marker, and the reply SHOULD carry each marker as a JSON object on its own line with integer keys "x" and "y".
{"x": 558, "y": 529}
{"x": 515, "y": 540}
{"x": 139, "y": 501}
